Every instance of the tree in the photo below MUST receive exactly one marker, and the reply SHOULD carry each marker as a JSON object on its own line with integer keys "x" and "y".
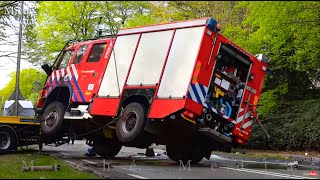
{"x": 288, "y": 33}
{"x": 31, "y": 82}
{"x": 7, "y": 9}
{"x": 57, "y": 22}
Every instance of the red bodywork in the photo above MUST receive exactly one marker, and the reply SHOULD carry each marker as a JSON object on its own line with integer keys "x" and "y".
{"x": 82, "y": 78}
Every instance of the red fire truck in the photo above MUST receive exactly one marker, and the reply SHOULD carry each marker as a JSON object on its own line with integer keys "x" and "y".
{"x": 181, "y": 84}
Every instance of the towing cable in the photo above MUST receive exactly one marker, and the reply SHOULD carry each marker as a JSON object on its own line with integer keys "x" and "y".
{"x": 79, "y": 135}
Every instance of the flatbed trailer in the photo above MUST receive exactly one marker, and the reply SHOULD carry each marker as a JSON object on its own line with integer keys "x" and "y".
{"x": 17, "y": 131}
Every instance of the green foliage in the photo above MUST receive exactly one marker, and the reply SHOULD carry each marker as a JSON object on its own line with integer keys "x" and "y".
{"x": 31, "y": 82}
{"x": 287, "y": 32}
{"x": 139, "y": 20}
{"x": 292, "y": 126}
{"x": 60, "y": 21}
{"x": 269, "y": 100}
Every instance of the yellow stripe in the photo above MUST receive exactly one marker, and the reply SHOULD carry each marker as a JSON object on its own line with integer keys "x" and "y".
{"x": 198, "y": 66}
{"x": 187, "y": 119}
{"x": 194, "y": 78}
{"x": 16, "y": 120}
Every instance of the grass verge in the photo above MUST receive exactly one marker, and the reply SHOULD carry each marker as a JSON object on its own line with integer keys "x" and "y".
{"x": 11, "y": 166}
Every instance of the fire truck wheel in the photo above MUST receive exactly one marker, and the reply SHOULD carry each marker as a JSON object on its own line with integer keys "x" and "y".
{"x": 106, "y": 148}
{"x": 132, "y": 123}
{"x": 8, "y": 140}
{"x": 184, "y": 155}
{"x": 51, "y": 119}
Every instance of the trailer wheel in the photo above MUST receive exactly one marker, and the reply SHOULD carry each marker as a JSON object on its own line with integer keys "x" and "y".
{"x": 52, "y": 117}
{"x": 8, "y": 140}
{"x": 184, "y": 155}
{"x": 131, "y": 125}
{"x": 106, "y": 148}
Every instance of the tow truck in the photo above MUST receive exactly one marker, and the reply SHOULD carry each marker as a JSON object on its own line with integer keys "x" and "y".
{"x": 17, "y": 131}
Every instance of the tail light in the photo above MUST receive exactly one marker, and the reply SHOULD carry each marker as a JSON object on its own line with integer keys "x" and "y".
{"x": 240, "y": 141}
{"x": 188, "y": 115}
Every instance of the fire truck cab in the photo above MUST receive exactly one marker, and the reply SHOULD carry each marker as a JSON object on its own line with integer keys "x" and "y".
{"x": 182, "y": 84}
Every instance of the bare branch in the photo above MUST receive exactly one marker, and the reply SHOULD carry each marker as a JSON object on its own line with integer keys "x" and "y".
{"x": 8, "y": 4}
{"x": 7, "y": 55}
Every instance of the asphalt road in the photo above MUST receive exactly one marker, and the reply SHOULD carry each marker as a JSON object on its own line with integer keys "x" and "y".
{"x": 131, "y": 163}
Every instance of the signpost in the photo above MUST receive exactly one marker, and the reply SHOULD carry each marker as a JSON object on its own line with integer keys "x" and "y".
{"x": 16, "y": 102}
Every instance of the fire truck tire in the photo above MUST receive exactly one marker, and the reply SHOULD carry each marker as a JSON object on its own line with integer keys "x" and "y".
{"x": 106, "y": 148}
{"x": 8, "y": 140}
{"x": 52, "y": 118}
{"x": 184, "y": 155}
{"x": 131, "y": 125}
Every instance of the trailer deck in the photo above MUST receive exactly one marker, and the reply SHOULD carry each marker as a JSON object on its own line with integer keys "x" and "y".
{"x": 17, "y": 131}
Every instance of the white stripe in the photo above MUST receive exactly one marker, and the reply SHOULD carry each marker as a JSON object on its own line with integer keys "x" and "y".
{"x": 52, "y": 76}
{"x": 193, "y": 97}
{"x": 137, "y": 176}
{"x": 62, "y": 72}
{"x": 214, "y": 110}
{"x": 199, "y": 93}
{"x": 74, "y": 71}
{"x": 91, "y": 162}
{"x": 75, "y": 164}
{"x": 58, "y": 75}
{"x": 65, "y": 154}
{"x": 226, "y": 117}
{"x": 69, "y": 73}
{"x": 205, "y": 89}
{"x": 241, "y": 118}
{"x": 163, "y": 26}
{"x": 269, "y": 173}
{"x": 247, "y": 124}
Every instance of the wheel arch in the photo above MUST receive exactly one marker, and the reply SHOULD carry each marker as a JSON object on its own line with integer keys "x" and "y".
{"x": 142, "y": 99}
{"x": 61, "y": 93}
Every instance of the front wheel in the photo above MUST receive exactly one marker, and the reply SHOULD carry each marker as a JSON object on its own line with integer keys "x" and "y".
{"x": 52, "y": 118}
{"x": 8, "y": 140}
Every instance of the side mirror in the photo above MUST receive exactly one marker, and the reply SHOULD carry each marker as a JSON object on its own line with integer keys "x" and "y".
{"x": 47, "y": 69}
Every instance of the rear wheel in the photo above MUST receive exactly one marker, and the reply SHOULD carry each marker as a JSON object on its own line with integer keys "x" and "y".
{"x": 185, "y": 154}
{"x": 52, "y": 118}
{"x": 131, "y": 125}
{"x": 8, "y": 140}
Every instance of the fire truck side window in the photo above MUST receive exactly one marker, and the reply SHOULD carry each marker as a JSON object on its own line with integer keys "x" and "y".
{"x": 80, "y": 54}
{"x": 96, "y": 52}
{"x": 67, "y": 55}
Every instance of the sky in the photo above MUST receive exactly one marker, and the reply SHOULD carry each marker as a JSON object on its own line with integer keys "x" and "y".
{"x": 8, "y": 65}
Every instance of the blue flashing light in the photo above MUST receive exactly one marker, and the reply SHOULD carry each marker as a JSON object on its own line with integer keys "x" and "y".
{"x": 212, "y": 24}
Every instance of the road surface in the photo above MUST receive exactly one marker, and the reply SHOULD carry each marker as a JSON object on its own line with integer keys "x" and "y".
{"x": 131, "y": 163}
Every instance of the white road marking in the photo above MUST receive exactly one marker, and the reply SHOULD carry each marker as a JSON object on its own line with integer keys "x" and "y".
{"x": 269, "y": 173}
{"x": 137, "y": 176}
{"x": 70, "y": 162}
{"x": 87, "y": 161}
{"x": 65, "y": 154}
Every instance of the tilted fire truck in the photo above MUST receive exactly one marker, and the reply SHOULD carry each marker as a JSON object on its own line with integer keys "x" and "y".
{"x": 181, "y": 84}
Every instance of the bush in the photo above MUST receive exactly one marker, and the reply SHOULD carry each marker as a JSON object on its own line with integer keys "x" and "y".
{"x": 294, "y": 125}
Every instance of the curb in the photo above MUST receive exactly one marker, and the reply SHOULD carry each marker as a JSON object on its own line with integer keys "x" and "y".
{"x": 262, "y": 164}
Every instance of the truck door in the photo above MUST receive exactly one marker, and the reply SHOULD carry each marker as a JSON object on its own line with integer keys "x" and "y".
{"x": 89, "y": 66}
